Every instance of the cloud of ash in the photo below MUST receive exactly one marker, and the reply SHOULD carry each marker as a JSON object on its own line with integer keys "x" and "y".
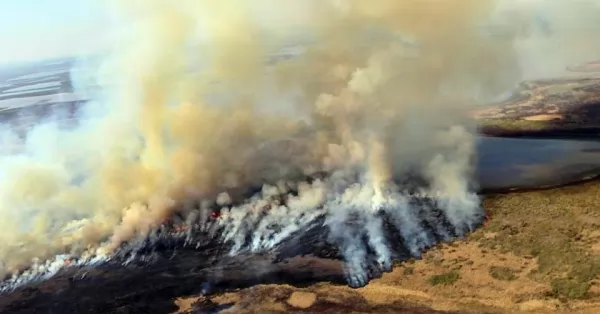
{"x": 203, "y": 100}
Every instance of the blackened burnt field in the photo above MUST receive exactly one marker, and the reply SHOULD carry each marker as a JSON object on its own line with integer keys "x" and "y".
{"x": 178, "y": 260}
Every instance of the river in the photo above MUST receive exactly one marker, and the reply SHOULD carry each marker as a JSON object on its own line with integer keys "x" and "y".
{"x": 506, "y": 163}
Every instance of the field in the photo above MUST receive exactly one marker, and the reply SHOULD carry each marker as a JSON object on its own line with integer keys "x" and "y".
{"x": 30, "y": 93}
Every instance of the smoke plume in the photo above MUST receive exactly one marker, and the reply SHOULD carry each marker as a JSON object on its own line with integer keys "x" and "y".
{"x": 202, "y": 101}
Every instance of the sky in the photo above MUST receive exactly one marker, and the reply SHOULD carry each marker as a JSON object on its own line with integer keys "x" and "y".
{"x": 40, "y": 29}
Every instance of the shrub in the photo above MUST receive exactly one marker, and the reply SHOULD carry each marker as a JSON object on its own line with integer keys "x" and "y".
{"x": 444, "y": 279}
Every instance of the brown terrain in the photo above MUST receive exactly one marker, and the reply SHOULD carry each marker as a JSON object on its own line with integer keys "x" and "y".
{"x": 537, "y": 252}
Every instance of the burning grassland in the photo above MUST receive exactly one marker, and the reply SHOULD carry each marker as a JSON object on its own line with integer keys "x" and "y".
{"x": 162, "y": 138}
{"x": 374, "y": 101}
{"x": 367, "y": 239}
{"x": 187, "y": 171}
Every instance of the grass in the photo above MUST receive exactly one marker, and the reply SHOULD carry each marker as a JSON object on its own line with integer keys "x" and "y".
{"x": 507, "y": 124}
{"x": 447, "y": 278}
{"x": 551, "y": 226}
{"x": 503, "y": 273}
{"x": 570, "y": 289}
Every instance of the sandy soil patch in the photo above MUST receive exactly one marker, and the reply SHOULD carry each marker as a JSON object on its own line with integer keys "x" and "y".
{"x": 544, "y": 117}
{"x": 302, "y": 300}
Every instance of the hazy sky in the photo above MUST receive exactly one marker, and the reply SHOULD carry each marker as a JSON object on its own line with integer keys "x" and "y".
{"x": 37, "y": 29}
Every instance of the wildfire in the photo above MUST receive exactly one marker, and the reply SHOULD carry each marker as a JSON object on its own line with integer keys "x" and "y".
{"x": 486, "y": 221}
{"x": 180, "y": 228}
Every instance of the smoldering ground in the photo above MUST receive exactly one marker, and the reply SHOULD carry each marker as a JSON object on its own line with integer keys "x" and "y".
{"x": 190, "y": 119}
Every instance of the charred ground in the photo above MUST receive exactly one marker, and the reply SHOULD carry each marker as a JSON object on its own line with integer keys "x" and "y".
{"x": 147, "y": 275}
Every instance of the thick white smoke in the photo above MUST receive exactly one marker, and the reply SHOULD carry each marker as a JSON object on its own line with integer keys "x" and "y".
{"x": 203, "y": 100}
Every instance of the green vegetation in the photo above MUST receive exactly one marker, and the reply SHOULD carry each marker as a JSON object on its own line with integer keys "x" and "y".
{"x": 506, "y": 124}
{"x": 447, "y": 278}
{"x": 552, "y": 226}
{"x": 570, "y": 289}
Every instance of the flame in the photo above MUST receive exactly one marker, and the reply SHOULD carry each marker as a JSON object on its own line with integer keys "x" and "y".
{"x": 486, "y": 220}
